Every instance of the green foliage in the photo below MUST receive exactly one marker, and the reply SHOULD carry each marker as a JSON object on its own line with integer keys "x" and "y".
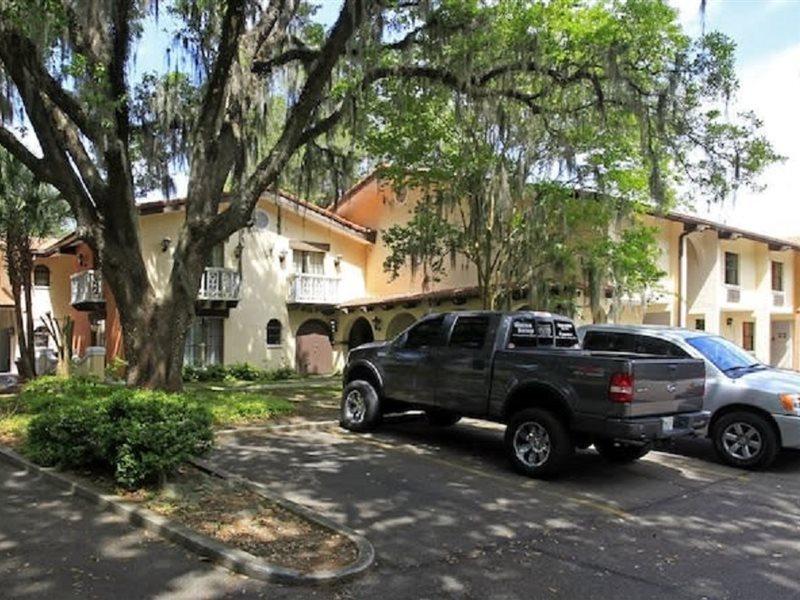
{"x": 137, "y": 435}
{"x": 234, "y": 407}
{"x": 235, "y": 372}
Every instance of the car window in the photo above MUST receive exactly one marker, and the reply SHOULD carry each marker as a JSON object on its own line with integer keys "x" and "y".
{"x": 470, "y": 332}
{"x": 608, "y": 341}
{"x": 650, "y": 345}
{"x": 426, "y": 333}
{"x": 523, "y": 333}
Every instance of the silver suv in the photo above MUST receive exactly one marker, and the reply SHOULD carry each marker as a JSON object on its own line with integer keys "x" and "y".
{"x": 755, "y": 408}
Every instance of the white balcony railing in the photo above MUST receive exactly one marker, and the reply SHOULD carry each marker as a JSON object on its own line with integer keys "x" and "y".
{"x": 313, "y": 289}
{"x": 733, "y": 295}
{"x": 219, "y": 283}
{"x": 778, "y": 299}
{"x": 86, "y": 287}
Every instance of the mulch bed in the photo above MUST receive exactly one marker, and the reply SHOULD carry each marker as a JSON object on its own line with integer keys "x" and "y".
{"x": 235, "y": 515}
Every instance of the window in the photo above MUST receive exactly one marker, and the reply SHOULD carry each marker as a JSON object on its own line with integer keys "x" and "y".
{"x": 731, "y": 268}
{"x": 777, "y": 276}
{"x": 700, "y": 324}
{"x": 748, "y": 335}
{"x": 658, "y": 347}
{"x": 41, "y": 337}
{"x": 427, "y": 333}
{"x": 216, "y": 257}
{"x": 469, "y": 332}
{"x": 608, "y": 341}
{"x": 41, "y": 276}
{"x": 308, "y": 262}
{"x": 274, "y": 332}
{"x": 204, "y": 342}
{"x": 725, "y": 355}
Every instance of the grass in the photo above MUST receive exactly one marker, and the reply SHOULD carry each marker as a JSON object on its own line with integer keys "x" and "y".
{"x": 13, "y": 421}
{"x": 240, "y": 407}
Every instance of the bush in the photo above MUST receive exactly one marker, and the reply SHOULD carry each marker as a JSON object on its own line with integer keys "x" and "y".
{"x": 46, "y": 392}
{"x": 235, "y": 372}
{"x": 139, "y": 436}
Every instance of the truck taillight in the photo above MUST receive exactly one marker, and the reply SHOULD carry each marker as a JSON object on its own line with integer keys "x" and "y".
{"x": 620, "y": 388}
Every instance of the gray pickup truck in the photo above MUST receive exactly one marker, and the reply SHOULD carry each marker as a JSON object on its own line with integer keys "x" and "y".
{"x": 525, "y": 370}
{"x": 755, "y": 409}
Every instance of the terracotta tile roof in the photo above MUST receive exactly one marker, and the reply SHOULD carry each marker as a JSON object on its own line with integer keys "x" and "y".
{"x": 727, "y": 230}
{"x": 158, "y": 206}
{"x": 459, "y": 292}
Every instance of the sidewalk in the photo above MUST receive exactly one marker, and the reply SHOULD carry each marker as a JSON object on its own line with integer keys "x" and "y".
{"x": 56, "y": 546}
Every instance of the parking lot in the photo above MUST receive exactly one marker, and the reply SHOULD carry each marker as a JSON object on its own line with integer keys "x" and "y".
{"x": 448, "y": 517}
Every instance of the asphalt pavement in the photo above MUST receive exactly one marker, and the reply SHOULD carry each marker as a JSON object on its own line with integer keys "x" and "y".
{"x": 448, "y": 519}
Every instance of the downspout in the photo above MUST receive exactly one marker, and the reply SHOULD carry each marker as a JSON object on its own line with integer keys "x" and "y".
{"x": 682, "y": 307}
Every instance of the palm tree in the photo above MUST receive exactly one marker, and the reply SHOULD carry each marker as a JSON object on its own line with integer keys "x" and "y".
{"x": 28, "y": 210}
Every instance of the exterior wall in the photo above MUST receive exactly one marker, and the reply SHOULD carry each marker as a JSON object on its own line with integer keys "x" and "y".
{"x": 378, "y": 207}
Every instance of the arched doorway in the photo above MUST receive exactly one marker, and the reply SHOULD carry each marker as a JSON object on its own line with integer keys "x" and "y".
{"x": 398, "y": 324}
{"x": 314, "y": 353}
{"x": 360, "y": 333}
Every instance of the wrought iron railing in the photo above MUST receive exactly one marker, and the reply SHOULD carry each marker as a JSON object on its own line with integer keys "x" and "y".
{"x": 219, "y": 283}
{"x": 86, "y": 287}
{"x": 305, "y": 288}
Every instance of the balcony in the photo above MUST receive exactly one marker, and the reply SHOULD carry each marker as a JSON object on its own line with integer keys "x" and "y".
{"x": 305, "y": 288}
{"x": 219, "y": 290}
{"x": 86, "y": 290}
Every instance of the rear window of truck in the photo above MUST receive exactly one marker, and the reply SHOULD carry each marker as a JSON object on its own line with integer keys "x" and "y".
{"x": 529, "y": 332}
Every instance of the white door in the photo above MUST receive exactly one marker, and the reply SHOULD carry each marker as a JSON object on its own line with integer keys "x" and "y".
{"x": 780, "y": 350}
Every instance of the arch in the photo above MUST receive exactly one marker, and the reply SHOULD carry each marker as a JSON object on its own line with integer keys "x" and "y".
{"x": 41, "y": 276}
{"x": 314, "y": 351}
{"x": 274, "y": 332}
{"x": 399, "y": 323}
{"x": 360, "y": 333}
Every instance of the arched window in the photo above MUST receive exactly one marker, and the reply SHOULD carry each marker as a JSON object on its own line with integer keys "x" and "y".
{"x": 41, "y": 276}
{"x": 274, "y": 332}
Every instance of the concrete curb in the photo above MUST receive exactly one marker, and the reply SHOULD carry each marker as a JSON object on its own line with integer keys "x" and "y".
{"x": 279, "y": 427}
{"x": 222, "y": 554}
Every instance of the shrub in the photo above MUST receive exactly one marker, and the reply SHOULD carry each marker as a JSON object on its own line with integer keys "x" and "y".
{"x": 137, "y": 435}
{"x": 44, "y": 393}
{"x": 235, "y": 372}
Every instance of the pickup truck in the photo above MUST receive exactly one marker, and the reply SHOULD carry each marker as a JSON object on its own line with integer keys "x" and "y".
{"x": 754, "y": 408}
{"x": 525, "y": 370}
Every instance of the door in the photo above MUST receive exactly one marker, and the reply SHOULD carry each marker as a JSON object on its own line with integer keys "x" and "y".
{"x": 780, "y": 349}
{"x": 314, "y": 352}
{"x": 463, "y": 374}
{"x": 5, "y": 350}
{"x": 409, "y": 364}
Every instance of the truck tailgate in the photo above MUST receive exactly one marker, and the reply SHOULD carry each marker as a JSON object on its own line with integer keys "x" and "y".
{"x": 664, "y": 386}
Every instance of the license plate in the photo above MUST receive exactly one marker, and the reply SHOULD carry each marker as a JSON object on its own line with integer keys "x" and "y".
{"x": 667, "y": 423}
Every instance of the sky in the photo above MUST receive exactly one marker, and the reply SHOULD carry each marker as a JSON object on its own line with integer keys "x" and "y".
{"x": 767, "y": 34}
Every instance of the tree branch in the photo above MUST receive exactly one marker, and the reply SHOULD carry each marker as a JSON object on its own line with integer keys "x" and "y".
{"x": 36, "y": 165}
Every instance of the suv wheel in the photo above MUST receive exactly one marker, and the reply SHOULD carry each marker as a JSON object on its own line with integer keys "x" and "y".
{"x": 537, "y": 443}
{"x": 441, "y": 418}
{"x": 620, "y": 453}
{"x": 746, "y": 440}
{"x": 361, "y": 406}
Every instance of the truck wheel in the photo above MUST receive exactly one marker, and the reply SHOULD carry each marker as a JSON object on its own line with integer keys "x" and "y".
{"x": 746, "y": 440}
{"x": 361, "y": 406}
{"x": 538, "y": 443}
{"x": 620, "y": 453}
{"x": 441, "y": 418}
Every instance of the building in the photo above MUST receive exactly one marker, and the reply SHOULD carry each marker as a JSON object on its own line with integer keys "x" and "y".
{"x": 304, "y": 284}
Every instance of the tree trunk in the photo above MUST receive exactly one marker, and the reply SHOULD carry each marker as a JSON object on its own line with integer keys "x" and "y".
{"x": 18, "y": 263}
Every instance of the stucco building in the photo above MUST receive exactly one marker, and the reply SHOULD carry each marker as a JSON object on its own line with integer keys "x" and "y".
{"x": 303, "y": 284}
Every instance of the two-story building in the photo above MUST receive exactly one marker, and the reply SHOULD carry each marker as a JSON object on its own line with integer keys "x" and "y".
{"x": 303, "y": 284}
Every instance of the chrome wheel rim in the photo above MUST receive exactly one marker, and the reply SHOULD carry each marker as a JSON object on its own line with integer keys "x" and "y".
{"x": 531, "y": 444}
{"x": 742, "y": 441}
{"x": 355, "y": 407}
